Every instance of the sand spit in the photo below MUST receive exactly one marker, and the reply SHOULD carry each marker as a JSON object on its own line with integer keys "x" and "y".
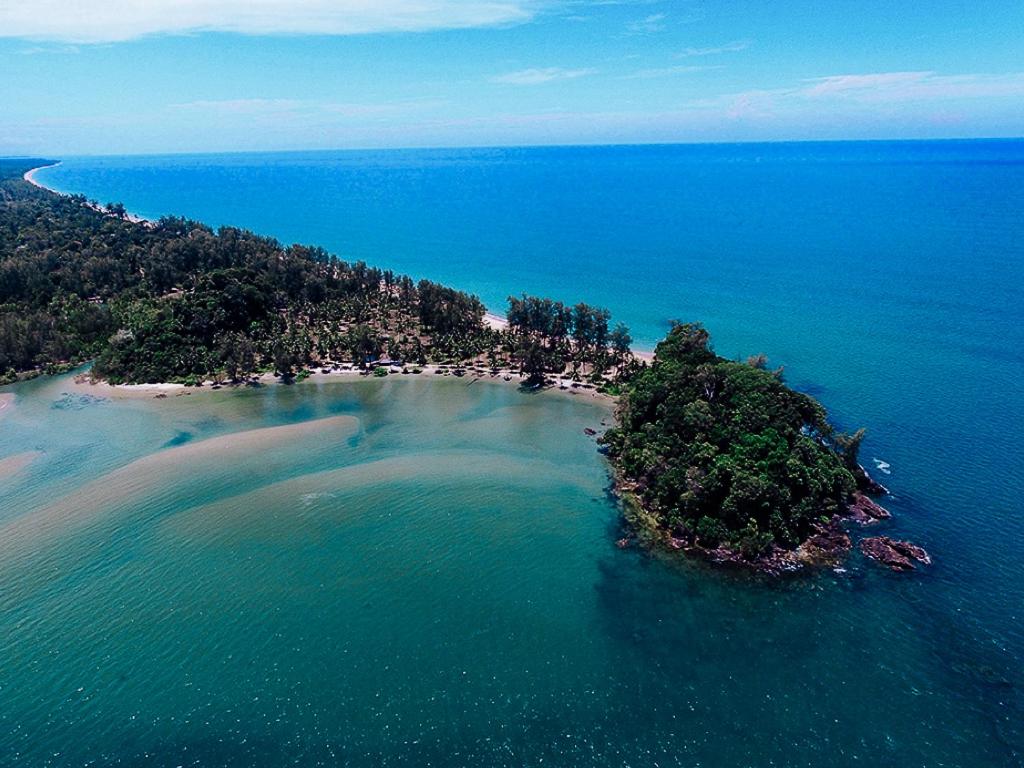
{"x": 495, "y": 322}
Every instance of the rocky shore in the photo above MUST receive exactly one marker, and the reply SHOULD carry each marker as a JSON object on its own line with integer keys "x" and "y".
{"x": 897, "y": 555}
{"x": 828, "y": 546}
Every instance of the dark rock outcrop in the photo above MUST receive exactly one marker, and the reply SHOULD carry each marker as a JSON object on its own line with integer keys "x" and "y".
{"x": 868, "y": 484}
{"x": 897, "y": 555}
{"x": 828, "y": 545}
{"x": 863, "y": 510}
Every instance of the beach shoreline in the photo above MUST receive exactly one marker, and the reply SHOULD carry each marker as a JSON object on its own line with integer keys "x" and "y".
{"x": 492, "y": 320}
{"x": 30, "y": 177}
{"x": 84, "y": 384}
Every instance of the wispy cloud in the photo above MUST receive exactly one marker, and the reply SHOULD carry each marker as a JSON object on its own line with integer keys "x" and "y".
{"x": 647, "y": 25}
{"x": 680, "y": 69}
{"x": 43, "y": 50}
{"x": 878, "y": 83}
{"x": 894, "y": 91}
{"x": 538, "y": 76}
{"x": 912, "y": 86}
{"x": 733, "y": 47}
{"x": 309, "y": 112}
{"x": 103, "y": 21}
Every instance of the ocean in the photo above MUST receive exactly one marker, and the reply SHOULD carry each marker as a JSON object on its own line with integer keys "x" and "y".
{"x": 438, "y": 584}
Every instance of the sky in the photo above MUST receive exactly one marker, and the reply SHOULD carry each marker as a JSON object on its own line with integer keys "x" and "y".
{"x": 167, "y": 76}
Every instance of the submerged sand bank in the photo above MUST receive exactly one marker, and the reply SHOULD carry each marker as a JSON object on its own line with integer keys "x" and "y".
{"x": 12, "y": 465}
{"x": 330, "y": 488}
{"x": 171, "y": 468}
{"x": 6, "y": 403}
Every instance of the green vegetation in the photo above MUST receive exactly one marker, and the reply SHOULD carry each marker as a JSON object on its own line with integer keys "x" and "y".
{"x": 549, "y": 336}
{"x": 176, "y": 301}
{"x": 719, "y": 452}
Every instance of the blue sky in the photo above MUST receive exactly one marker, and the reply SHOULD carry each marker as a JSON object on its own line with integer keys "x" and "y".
{"x": 116, "y": 76}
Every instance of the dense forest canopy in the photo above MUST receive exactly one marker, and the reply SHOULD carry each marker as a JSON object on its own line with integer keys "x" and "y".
{"x": 722, "y": 452}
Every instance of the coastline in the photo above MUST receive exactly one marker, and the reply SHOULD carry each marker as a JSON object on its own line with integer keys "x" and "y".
{"x": 30, "y": 177}
{"x": 82, "y": 383}
{"x": 492, "y": 320}
{"x": 496, "y": 322}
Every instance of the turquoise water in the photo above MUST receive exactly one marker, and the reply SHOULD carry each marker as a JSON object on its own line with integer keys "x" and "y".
{"x": 438, "y": 584}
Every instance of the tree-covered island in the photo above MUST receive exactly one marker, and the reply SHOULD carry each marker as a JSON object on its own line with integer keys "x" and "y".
{"x": 712, "y": 455}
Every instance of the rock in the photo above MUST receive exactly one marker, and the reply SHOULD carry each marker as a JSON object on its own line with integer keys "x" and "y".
{"x": 868, "y": 484}
{"x": 897, "y": 555}
{"x": 828, "y": 545}
{"x": 863, "y": 510}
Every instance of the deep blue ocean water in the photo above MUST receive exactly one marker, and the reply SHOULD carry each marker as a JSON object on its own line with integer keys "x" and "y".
{"x": 888, "y": 278}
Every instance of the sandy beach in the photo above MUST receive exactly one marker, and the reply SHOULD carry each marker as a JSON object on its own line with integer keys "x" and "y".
{"x": 30, "y": 177}
{"x": 495, "y": 322}
{"x": 559, "y": 386}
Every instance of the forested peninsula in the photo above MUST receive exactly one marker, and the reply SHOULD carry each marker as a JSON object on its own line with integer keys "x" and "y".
{"x": 712, "y": 456}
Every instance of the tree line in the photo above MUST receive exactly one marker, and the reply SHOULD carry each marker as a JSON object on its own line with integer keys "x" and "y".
{"x": 174, "y": 300}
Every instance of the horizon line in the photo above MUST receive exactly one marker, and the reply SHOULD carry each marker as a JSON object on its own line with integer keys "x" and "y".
{"x": 567, "y": 145}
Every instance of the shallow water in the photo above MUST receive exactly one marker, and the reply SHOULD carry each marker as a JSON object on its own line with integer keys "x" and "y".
{"x": 424, "y": 572}
{"x": 389, "y": 596}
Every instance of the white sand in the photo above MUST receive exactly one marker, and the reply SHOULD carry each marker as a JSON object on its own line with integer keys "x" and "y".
{"x": 30, "y": 177}
{"x": 495, "y": 322}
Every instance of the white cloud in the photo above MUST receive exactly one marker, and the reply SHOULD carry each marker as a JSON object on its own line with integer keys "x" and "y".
{"x": 647, "y": 25}
{"x": 900, "y": 87}
{"x": 542, "y": 75}
{"x": 733, "y": 47}
{"x": 883, "y": 81}
{"x": 283, "y": 109}
{"x": 867, "y": 94}
{"x": 105, "y": 21}
{"x": 680, "y": 69}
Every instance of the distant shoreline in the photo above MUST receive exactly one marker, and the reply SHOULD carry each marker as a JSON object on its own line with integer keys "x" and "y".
{"x": 492, "y": 320}
{"x": 30, "y": 177}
